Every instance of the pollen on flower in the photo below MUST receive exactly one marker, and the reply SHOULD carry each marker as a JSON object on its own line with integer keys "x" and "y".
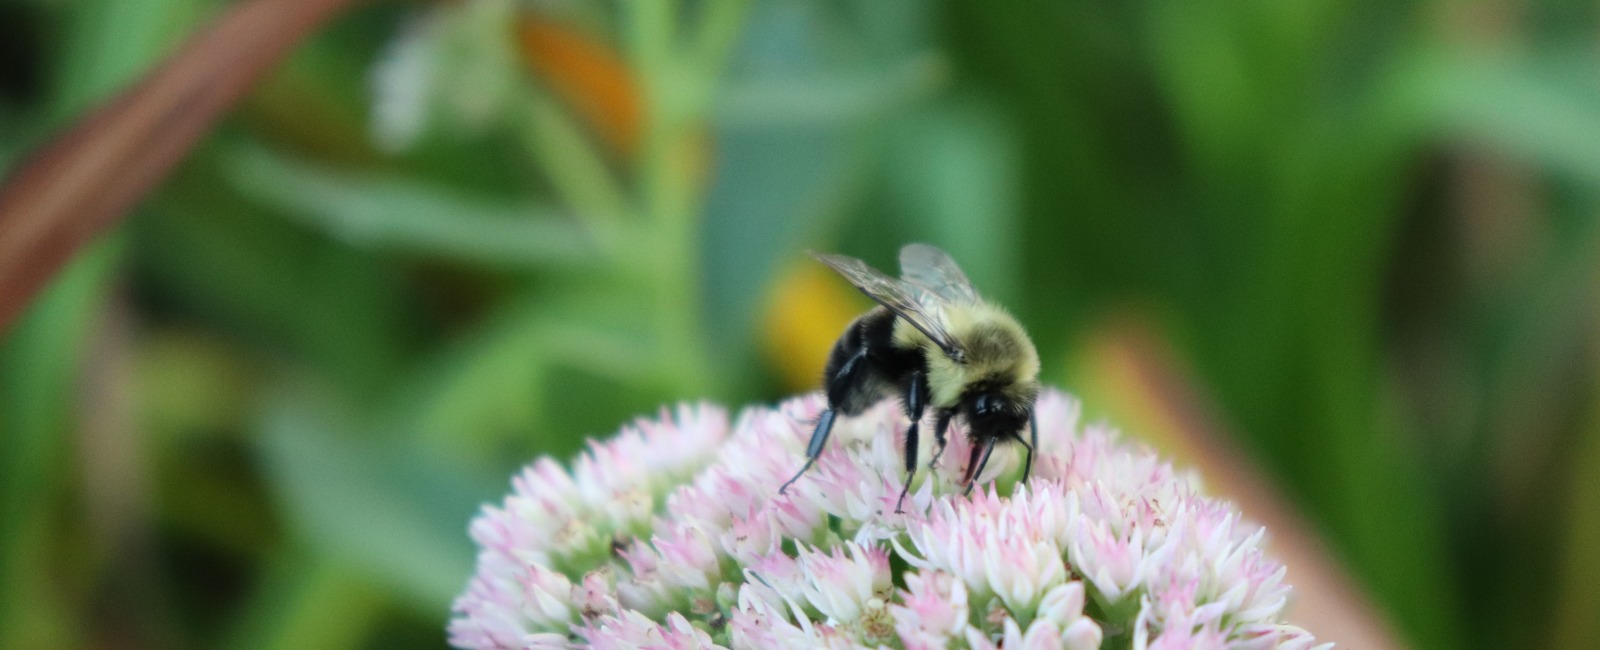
{"x": 672, "y": 535}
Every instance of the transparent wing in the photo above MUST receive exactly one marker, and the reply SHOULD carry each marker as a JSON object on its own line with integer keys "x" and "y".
{"x": 918, "y": 306}
{"x": 933, "y": 270}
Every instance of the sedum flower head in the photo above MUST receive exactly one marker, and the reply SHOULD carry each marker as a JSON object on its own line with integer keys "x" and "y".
{"x": 673, "y": 535}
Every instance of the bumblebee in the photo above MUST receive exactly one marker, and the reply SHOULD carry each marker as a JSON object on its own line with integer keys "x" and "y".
{"x": 934, "y": 342}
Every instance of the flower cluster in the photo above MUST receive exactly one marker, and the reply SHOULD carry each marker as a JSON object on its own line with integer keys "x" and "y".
{"x": 673, "y": 535}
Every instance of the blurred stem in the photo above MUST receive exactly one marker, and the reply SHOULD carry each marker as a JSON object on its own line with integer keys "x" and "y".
{"x": 651, "y": 28}
{"x": 654, "y": 232}
{"x": 576, "y": 169}
{"x": 716, "y": 35}
{"x": 664, "y": 195}
{"x": 676, "y": 84}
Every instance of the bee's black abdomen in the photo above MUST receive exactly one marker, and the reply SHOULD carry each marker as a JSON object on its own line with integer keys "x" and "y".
{"x": 852, "y": 379}
{"x": 865, "y": 366}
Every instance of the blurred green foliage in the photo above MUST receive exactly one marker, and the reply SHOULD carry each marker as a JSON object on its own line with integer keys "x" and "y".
{"x": 1371, "y": 227}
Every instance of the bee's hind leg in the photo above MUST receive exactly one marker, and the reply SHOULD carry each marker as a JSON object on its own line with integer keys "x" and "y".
{"x": 819, "y": 439}
{"x": 848, "y": 368}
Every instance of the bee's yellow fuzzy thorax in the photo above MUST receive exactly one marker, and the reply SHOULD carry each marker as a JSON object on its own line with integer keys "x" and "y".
{"x": 997, "y": 350}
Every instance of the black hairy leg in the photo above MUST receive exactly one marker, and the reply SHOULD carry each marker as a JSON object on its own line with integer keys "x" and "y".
{"x": 916, "y": 400}
{"x": 819, "y": 439}
{"x": 1033, "y": 435}
{"x": 939, "y": 429}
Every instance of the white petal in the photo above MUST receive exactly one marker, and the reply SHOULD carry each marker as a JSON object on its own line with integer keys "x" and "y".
{"x": 1083, "y": 634}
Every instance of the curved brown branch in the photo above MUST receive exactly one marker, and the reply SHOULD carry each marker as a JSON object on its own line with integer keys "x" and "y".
{"x": 84, "y": 181}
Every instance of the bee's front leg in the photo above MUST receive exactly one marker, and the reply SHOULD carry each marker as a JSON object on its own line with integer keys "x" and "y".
{"x": 1027, "y": 466}
{"x": 939, "y": 429}
{"x": 1033, "y": 435}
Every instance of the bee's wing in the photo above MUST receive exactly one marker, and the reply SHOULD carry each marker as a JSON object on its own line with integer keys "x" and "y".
{"x": 933, "y": 270}
{"x": 917, "y": 305}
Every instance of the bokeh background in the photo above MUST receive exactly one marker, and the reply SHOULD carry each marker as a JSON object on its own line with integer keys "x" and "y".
{"x": 443, "y": 238}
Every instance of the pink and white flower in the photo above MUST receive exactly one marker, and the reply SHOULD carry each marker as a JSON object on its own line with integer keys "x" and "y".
{"x": 932, "y": 610}
{"x": 841, "y": 584}
{"x": 673, "y": 535}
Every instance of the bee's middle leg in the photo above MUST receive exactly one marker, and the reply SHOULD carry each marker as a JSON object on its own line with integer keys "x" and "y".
{"x": 916, "y": 400}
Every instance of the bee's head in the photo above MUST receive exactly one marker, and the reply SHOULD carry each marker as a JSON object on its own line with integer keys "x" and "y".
{"x": 996, "y": 411}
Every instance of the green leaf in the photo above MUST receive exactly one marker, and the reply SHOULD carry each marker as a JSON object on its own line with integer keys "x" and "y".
{"x": 396, "y": 515}
{"x": 834, "y": 97}
{"x": 952, "y": 172}
{"x": 109, "y": 42}
{"x": 407, "y": 215}
{"x": 794, "y": 143}
{"x": 1543, "y": 107}
{"x": 271, "y": 282}
{"x": 493, "y": 383}
{"x": 39, "y": 360}
{"x": 574, "y": 165}
{"x": 774, "y": 188}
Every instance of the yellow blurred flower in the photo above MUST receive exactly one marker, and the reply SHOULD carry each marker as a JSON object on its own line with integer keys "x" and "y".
{"x": 807, "y": 310}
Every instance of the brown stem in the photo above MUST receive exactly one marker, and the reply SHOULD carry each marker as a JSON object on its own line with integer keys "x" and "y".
{"x": 84, "y": 181}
